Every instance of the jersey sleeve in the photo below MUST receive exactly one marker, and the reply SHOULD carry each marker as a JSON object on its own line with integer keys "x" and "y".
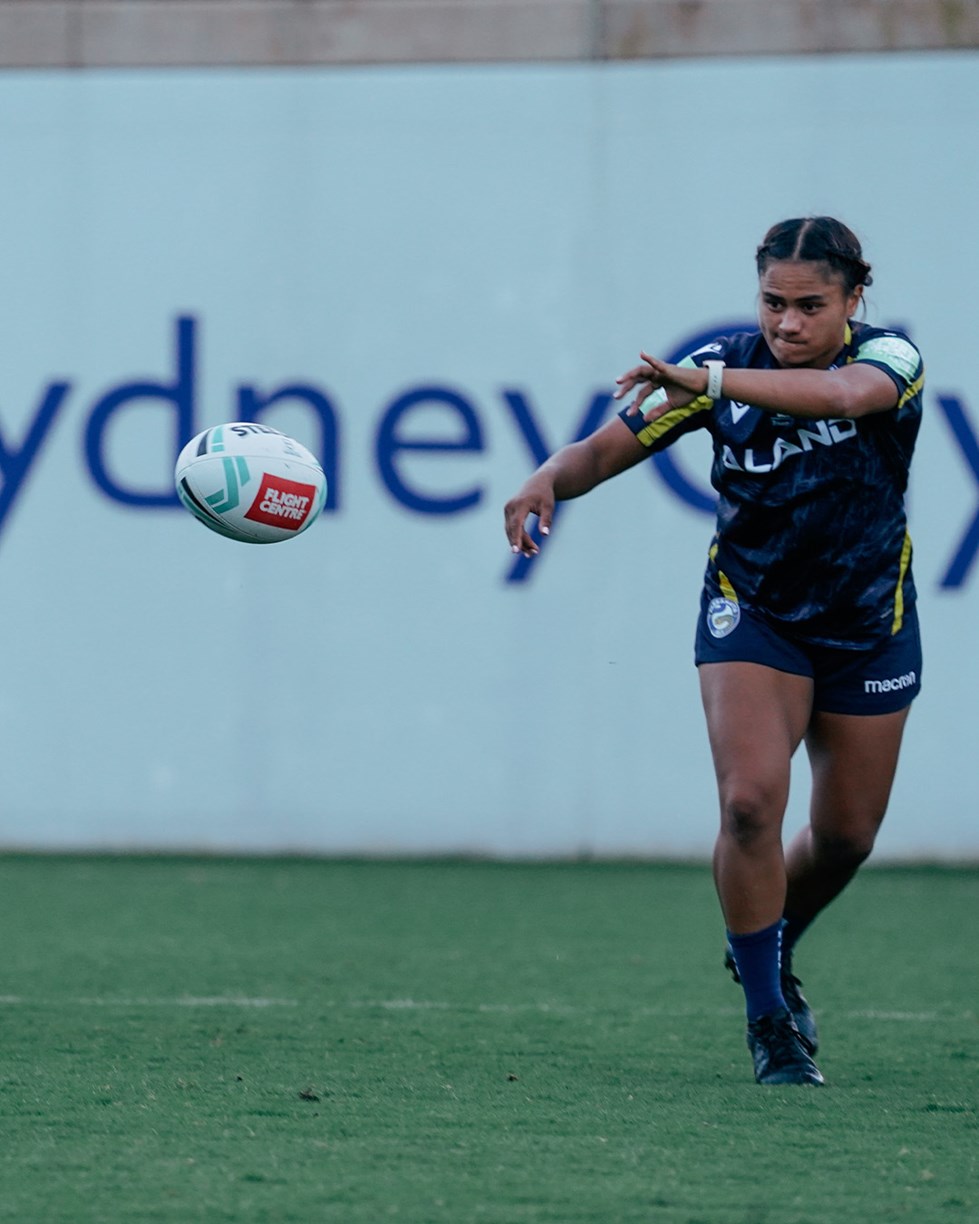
{"x": 894, "y": 353}
{"x": 675, "y": 422}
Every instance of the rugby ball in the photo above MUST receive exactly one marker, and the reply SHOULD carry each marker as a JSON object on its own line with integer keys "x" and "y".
{"x": 250, "y": 483}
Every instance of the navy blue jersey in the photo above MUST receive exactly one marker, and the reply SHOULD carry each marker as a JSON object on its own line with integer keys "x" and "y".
{"x": 811, "y": 524}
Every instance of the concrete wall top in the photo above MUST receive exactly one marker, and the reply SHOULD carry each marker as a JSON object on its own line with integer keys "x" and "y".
{"x": 174, "y": 33}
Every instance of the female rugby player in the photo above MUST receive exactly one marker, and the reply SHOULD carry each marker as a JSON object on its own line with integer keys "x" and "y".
{"x": 807, "y": 630}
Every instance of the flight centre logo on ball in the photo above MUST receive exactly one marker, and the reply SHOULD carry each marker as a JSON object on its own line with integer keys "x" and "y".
{"x": 723, "y": 616}
{"x": 282, "y": 503}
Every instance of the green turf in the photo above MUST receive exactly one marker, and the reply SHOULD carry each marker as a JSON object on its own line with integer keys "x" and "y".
{"x": 247, "y": 1040}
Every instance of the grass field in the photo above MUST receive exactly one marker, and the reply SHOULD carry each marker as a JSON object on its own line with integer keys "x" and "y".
{"x": 301, "y": 1040}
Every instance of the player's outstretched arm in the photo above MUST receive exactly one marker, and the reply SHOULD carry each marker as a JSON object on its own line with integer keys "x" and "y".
{"x": 852, "y": 391}
{"x": 573, "y": 470}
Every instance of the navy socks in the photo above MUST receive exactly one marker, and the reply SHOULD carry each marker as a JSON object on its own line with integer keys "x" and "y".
{"x": 758, "y": 958}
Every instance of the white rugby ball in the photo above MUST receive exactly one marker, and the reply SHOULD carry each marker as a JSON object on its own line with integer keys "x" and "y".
{"x": 250, "y": 482}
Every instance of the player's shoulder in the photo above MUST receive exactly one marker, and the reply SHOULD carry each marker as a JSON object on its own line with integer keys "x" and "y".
{"x": 887, "y": 346}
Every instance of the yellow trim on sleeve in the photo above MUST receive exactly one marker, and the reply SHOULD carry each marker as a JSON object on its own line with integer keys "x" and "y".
{"x": 670, "y": 420}
{"x": 912, "y": 390}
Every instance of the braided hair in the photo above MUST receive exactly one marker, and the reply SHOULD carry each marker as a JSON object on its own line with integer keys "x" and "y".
{"x": 816, "y": 240}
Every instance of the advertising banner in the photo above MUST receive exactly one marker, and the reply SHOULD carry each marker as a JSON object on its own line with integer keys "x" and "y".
{"x": 431, "y": 278}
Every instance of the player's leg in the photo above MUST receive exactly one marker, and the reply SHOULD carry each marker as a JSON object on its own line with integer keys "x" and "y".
{"x": 756, "y": 717}
{"x": 853, "y": 742}
{"x": 854, "y": 759}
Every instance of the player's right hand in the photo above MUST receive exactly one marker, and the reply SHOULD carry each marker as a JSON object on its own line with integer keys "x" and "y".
{"x": 536, "y": 497}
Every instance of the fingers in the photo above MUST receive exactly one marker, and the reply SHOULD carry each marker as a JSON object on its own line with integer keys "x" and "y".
{"x": 630, "y": 378}
{"x": 644, "y": 392}
{"x": 651, "y": 368}
{"x": 515, "y": 516}
{"x": 526, "y": 545}
{"x": 647, "y": 377}
{"x": 646, "y": 382}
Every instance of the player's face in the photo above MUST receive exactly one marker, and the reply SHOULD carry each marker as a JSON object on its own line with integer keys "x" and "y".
{"x": 803, "y": 310}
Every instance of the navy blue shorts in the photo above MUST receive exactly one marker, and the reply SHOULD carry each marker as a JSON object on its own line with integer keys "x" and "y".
{"x": 884, "y": 678}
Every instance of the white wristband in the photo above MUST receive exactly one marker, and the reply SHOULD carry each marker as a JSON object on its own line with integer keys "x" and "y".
{"x": 715, "y": 379}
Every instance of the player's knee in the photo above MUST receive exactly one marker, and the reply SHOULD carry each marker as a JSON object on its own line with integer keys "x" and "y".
{"x": 846, "y": 849}
{"x": 749, "y": 816}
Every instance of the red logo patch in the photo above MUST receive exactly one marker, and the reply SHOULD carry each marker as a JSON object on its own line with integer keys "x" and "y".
{"x": 282, "y": 503}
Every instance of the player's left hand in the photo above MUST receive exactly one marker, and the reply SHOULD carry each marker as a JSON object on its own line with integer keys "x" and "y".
{"x": 682, "y": 385}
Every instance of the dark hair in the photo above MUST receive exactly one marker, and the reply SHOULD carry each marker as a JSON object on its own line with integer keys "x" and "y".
{"x": 816, "y": 240}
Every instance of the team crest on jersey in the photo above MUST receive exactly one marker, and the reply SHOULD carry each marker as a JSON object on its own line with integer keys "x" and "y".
{"x": 723, "y": 616}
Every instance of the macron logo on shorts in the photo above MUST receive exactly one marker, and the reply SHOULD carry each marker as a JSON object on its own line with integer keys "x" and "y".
{"x": 892, "y": 685}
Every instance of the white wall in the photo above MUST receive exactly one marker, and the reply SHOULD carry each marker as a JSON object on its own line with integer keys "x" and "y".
{"x": 378, "y": 684}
